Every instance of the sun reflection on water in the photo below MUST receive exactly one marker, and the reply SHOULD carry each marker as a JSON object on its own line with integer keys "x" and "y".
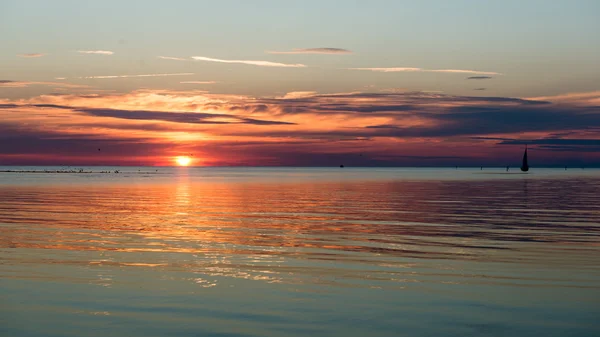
{"x": 392, "y": 232}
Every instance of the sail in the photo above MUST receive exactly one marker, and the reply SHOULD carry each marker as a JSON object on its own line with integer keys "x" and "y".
{"x": 525, "y": 165}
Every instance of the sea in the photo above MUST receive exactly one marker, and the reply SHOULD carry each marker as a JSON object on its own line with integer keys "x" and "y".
{"x": 186, "y": 251}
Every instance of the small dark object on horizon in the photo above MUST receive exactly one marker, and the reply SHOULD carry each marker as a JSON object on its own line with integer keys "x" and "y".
{"x": 525, "y": 165}
{"x": 342, "y": 166}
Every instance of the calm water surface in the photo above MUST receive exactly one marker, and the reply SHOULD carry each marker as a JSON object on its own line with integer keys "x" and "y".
{"x": 299, "y": 252}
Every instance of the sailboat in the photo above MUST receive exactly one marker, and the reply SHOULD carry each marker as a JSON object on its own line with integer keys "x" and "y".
{"x": 525, "y": 166}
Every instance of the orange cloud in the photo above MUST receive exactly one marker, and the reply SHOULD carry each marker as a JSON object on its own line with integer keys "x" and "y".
{"x": 298, "y": 128}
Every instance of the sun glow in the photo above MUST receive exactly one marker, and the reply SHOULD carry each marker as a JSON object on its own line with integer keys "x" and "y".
{"x": 183, "y": 160}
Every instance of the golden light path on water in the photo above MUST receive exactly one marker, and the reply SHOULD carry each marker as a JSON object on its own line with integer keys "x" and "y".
{"x": 296, "y": 252}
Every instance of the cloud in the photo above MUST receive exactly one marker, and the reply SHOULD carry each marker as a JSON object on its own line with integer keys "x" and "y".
{"x": 54, "y": 106}
{"x": 479, "y": 77}
{"x": 480, "y": 89}
{"x": 580, "y": 98}
{"x": 313, "y": 51}
{"x": 172, "y": 58}
{"x": 461, "y": 71}
{"x": 554, "y": 144}
{"x": 389, "y": 70}
{"x": 198, "y": 82}
{"x": 404, "y": 69}
{"x": 25, "y": 84}
{"x": 431, "y": 157}
{"x": 56, "y": 148}
{"x": 99, "y": 52}
{"x": 130, "y": 76}
{"x": 254, "y": 63}
{"x": 179, "y": 117}
{"x": 494, "y": 119}
{"x": 298, "y": 94}
{"x": 571, "y": 149}
{"x": 552, "y": 141}
{"x": 422, "y": 115}
{"x": 489, "y": 138}
{"x": 308, "y": 128}
{"x": 30, "y": 55}
{"x": 13, "y": 84}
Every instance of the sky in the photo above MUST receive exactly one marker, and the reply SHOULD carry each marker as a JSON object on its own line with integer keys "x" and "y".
{"x": 300, "y": 83}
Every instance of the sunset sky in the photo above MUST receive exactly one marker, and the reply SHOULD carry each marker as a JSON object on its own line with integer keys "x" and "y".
{"x": 299, "y": 83}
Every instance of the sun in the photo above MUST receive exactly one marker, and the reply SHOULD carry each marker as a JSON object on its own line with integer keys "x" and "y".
{"x": 183, "y": 160}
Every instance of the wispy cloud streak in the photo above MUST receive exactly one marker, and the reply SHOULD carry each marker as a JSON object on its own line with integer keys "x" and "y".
{"x": 198, "y": 82}
{"x": 250, "y": 62}
{"x": 31, "y": 55}
{"x": 406, "y": 69}
{"x": 461, "y": 71}
{"x": 390, "y": 70}
{"x": 99, "y": 52}
{"x": 313, "y": 51}
{"x": 172, "y": 58}
{"x": 25, "y": 84}
{"x": 129, "y": 76}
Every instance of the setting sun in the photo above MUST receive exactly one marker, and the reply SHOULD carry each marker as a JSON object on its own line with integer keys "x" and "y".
{"x": 183, "y": 160}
